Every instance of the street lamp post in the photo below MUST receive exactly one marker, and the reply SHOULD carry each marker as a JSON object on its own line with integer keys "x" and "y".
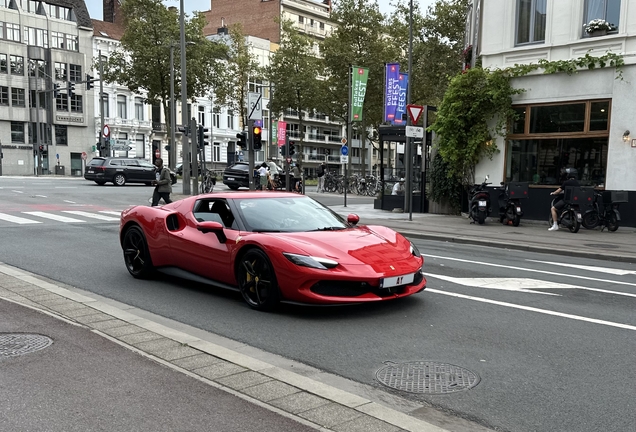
{"x": 172, "y": 155}
{"x": 184, "y": 105}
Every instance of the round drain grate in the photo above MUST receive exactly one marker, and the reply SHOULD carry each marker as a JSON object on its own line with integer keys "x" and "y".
{"x": 15, "y": 344}
{"x": 427, "y": 377}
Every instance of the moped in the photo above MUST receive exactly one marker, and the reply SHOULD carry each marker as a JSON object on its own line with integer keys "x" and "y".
{"x": 509, "y": 202}
{"x": 604, "y": 212}
{"x": 479, "y": 202}
{"x": 570, "y": 216}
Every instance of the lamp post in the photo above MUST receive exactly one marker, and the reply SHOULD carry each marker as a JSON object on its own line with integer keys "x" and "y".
{"x": 172, "y": 155}
{"x": 184, "y": 104}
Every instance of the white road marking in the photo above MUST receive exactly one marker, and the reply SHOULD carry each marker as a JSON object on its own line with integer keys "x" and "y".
{"x": 613, "y": 271}
{"x": 533, "y": 309}
{"x": 532, "y": 270}
{"x": 40, "y": 196}
{"x": 55, "y": 217}
{"x": 70, "y": 202}
{"x": 65, "y": 187}
{"x": 116, "y": 213}
{"x": 91, "y": 215}
{"x": 18, "y": 220}
{"x": 17, "y": 191}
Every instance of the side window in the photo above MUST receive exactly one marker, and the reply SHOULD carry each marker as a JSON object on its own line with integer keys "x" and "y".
{"x": 131, "y": 162}
{"x": 115, "y": 162}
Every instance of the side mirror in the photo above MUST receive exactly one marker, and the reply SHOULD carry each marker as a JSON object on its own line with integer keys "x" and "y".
{"x": 213, "y": 227}
{"x": 353, "y": 219}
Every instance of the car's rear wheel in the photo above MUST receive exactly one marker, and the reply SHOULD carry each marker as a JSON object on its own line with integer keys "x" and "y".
{"x": 119, "y": 179}
{"x": 257, "y": 280}
{"x": 136, "y": 254}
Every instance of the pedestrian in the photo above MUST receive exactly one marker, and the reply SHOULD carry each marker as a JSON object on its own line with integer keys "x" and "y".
{"x": 163, "y": 184}
{"x": 398, "y": 188}
{"x": 322, "y": 168}
{"x": 274, "y": 172}
{"x": 262, "y": 172}
{"x": 559, "y": 203}
{"x": 296, "y": 174}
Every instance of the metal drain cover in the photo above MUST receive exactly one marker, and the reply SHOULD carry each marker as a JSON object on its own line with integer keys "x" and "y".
{"x": 15, "y": 344}
{"x": 427, "y": 377}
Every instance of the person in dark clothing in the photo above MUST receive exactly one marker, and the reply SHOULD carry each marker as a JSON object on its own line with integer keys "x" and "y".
{"x": 560, "y": 202}
{"x": 163, "y": 184}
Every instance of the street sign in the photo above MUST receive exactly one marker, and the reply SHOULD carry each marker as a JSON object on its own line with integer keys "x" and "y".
{"x": 157, "y": 153}
{"x": 344, "y": 159}
{"x": 415, "y": 111}
{"x": 254, "y": 108}
{"x": 343, "y": 141}
{"x": 344, "y": 150}
{"x": 288, "y": 160}
{"x": 414, "y": 131}
{"x": 106, "y": 131}
{"x": 84, "y": 156}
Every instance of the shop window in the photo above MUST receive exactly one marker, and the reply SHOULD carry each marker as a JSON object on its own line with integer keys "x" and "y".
{"x": 531, "y": 20}
{"x": 61, "y": 134}
{"x": 599, "y": 116}
{"x": 17, "y": 132}
{"x": 557, "y": 118}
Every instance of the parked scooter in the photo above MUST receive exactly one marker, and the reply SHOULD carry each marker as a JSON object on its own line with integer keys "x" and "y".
{"x": 479, "y": 203}
{"x": 571, "y": 217}
{"x": 509, "y": 202}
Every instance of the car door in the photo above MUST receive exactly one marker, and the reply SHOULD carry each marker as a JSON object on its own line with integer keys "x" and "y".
{"x": 133, "y": 170}
{"x": 147, "y": 171}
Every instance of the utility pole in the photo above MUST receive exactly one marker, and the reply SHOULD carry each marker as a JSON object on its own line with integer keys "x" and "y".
{"x": 187, "y": 162}
{"x": 172, "y": 154}
{"x": 101, "y": 107}
{"x": 251, "y": 154}
{"x": 195, "y": 155}
{"x": 349, "y": 131}
{"x": 38, "y": 171}
{"x": 408, "y": 152}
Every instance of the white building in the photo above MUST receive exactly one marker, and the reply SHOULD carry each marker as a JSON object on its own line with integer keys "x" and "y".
{"x": 586, "y": 120}
{"x": 45, "y": 43}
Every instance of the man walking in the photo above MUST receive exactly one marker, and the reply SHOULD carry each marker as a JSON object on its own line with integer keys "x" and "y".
{"x": 163, "y": 184}
{"x": 322, "y": 168}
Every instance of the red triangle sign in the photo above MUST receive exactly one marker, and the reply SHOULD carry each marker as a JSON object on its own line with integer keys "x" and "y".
{"x": 415, "y": 111}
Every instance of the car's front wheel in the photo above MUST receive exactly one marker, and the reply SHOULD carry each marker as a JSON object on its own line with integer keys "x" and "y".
{"x": 136, "y": 253}
{"x": 233, "y": 187}
{"x": 257, "y": 280}
{"x": 119, "y": 180}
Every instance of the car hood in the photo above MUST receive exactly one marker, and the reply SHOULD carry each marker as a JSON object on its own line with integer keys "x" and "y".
{"x": 377, "y": 246}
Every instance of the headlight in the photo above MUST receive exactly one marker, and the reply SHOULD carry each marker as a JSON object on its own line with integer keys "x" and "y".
{"x": 310, "y": 261}
{"x": 415, "y": 251}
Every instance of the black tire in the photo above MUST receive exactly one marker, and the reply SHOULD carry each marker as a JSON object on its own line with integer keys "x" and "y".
{"x": 590, "y": 220}
{"x": 119, "y": 179}
{"x": 257, "y": 280}
{"x": 136, "y": 254}
{"x": 100, "y": 183}
{"x": 481, "y": 218}
{"x": 512, "y": 216}
{"x": 572, "y": 223}
{"x": 612, "y": 222}
{"x": 233, "y": 187}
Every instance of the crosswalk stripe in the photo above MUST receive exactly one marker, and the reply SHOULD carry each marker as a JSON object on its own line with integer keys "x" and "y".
{"x": 53, "y": 217}
{"x": 116, "y": 213}
{"x": 91, "y": 215}
{"x": 16, "y": 219}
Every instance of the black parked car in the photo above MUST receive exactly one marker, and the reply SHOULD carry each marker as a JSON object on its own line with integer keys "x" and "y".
{"x": 179, "y": 169}
{"x": 119, "y": 171}
{"x": 237, "y": 175}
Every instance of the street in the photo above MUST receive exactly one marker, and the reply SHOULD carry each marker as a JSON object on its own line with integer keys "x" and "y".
{"x": 550, "y": 338}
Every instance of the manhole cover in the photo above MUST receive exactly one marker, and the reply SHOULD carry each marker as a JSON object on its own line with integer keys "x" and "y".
{"x": 427, "y": 377}
{"x": 15, "y": 344}
{"x": 601, "y": 246}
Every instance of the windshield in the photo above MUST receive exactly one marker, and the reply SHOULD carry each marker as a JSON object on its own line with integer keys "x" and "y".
{"x": 289, "y": 214}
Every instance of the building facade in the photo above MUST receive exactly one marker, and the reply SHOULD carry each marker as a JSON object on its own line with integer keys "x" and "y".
{"x": 46, "y": 119}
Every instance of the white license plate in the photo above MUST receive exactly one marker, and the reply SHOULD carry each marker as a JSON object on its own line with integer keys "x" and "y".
{"x": 482, "y": 203}
{"x": 518, "y": 209}
{"x": 90, "y": 171}
{"x": 230, "y": 178}
{"x": 397, "y": 280}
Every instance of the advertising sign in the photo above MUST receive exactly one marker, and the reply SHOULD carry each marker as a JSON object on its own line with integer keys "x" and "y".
{"x": 282, "y": 133}
{"x": 358, "y": 91}
{"x": 391, "y": 91}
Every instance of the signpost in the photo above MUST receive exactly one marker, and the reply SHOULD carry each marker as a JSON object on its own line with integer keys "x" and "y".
{"x": 415, "y": 111}
{"x": 84, "y": 156}
{"x": 254, "y": 108}
{"x": 415, "y": 132}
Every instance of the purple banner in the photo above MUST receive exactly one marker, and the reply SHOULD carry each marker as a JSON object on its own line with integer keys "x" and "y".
{"x": 401, "y": 106}
{"x": 391, "y": 91}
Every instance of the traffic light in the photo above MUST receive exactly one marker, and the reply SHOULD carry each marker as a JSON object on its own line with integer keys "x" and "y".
{"x": 283, "y": 149}
{"x": 70, "y": 88}
{"x": 292, "y": 149}
{"x": 184, "y": 130}
{"x": 89, "y": 82}
{"x": 56, "y": 90}
{"x": 257, "y": 143}
{"x": 203, "y": 136}
{"x": 242, "y": 140}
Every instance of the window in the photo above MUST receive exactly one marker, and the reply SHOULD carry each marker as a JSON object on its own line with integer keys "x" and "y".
{"x": 60, "y": 71}
{"x": 202, "y": 115}
{"x": 17, "y": 97}
{"x": 121, "y": 107}
{"x": 37, "y": 68}
{"x": 4, "y": 95}
{"x": 61, "y": 134}
{"x": 12, "y": 32}
{"x": 230, "y": 119}
{"x": 216, "y": 155}
{"x": 57, "y": 40}
{"x": 32, "y": 101}
{"x": 17, "y": 65}
{"x": 139, "y": 108}
{"x": 301, "y": 19}
{"x": 74, "y": 73}
{"x": 76, "y": 104}
{"x": 531, "y": 15}
{"x": 546, "y": 139}
{"x": 105, "y": 107}
{"x": 322, "y": 26}
{"x": 216, "y": 117}
{"x": 140, "y": 146}
{"x": 37, "y": 37}
{"x": 609, "y": 10}
{"x": 45, "y": 133}
{"x": 4, "y": 67}
{"x": 61, "y": 102}
{"x": 72, "y": 43}
{"x": 17, "y": 132}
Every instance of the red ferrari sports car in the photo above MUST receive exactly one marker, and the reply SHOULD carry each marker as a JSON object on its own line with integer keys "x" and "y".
{"x": 272, "y": 247}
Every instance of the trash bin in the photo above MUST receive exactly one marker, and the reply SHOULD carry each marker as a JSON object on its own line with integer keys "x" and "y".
{"x": 59, "y": 169}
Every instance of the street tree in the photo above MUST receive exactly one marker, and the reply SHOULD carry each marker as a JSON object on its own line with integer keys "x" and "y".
{"x": 293, "y": 72}
{"x": 142, "y": 62}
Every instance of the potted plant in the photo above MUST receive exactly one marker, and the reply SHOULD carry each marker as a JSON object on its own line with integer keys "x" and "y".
{"x": 598, "y": 27}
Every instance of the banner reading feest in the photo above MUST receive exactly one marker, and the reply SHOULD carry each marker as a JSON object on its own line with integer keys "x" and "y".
{"x": 282, "y": 133}
{"x": 358, "y": 91}
{"x": 400, "y": 110}
{"x": 391, "y": 91}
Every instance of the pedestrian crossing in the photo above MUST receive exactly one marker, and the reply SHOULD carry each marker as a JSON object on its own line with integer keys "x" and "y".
{"x": 61, "y": 216}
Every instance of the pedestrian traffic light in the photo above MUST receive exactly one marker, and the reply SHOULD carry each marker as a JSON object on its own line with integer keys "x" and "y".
{"x": 70, "y": 88}
{"x": 203, "y": 136}
{"x": 283, "y": 149}
{"x": 56, "y": 90}
{"x": 292, "y": 149}
{"x": 89, "y": 82}
{"x": 242, "y": 140}
{"x": 257, "y": 143}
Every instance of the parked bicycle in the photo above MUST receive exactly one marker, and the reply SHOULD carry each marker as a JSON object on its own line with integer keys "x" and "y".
{"x": 604, "y": 212}
{"x": 208, "y": 181}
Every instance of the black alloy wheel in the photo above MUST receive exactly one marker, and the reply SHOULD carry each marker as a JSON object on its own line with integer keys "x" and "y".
{"x": 257, "y": 281}
{"x": 136, "y": 254}
{"x": 569, "y": 220}
{"x": 119, "y": 179}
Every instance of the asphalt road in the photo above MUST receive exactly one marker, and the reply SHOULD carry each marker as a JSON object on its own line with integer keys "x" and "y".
{"x": 552, "y": 344}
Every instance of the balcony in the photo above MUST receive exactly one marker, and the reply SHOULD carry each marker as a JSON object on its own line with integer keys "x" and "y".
{"x": 159, "y": 127}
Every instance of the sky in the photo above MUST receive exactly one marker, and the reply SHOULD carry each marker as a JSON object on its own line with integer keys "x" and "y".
{"x": 95, "y": 8}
